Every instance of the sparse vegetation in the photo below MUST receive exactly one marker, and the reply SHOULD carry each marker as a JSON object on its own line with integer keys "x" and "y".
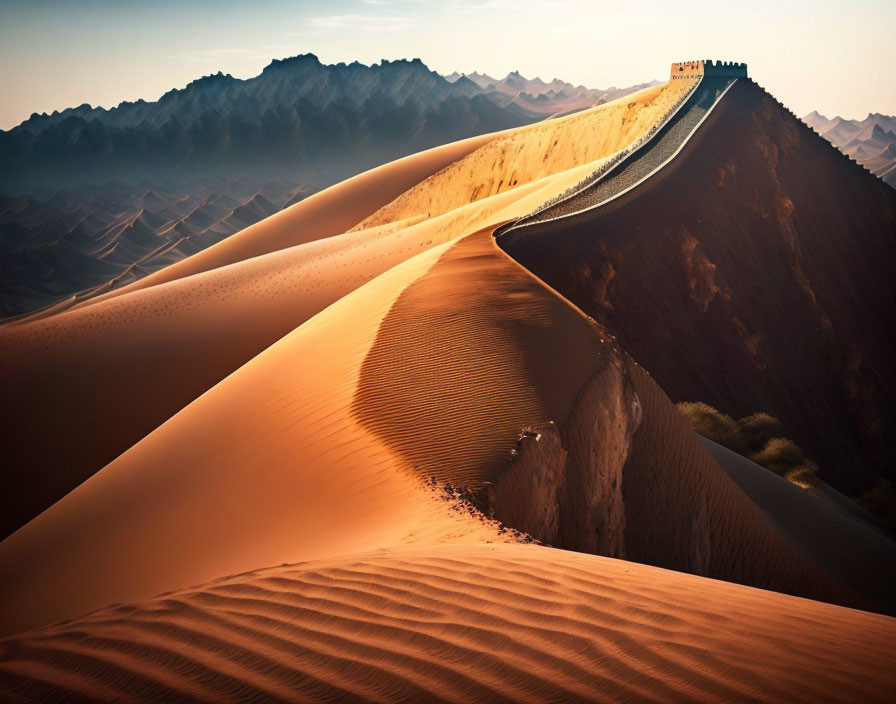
{"x": 759, "y": 437}
{"x": 757, "y": 429}
{"x": 715, "y": 425}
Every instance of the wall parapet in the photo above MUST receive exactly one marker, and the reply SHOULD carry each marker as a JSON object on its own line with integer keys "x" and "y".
{"x": 690, "y": 70}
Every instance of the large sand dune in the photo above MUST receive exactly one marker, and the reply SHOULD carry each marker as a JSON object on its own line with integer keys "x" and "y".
{"x": 433, "y": 369}
{"x": 170, "y": 338}
{"x": 351, "y": 423}
{"x": 479, "y": 623}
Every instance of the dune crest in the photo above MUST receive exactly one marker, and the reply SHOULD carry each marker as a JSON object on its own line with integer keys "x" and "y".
{"x": 169, "y": 343}
{"x": 529, "y": 153}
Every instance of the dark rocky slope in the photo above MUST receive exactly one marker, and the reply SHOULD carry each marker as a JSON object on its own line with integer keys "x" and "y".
{"x": 756, "y": 273}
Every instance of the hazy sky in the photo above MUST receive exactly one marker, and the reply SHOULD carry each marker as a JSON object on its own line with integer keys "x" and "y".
{"x": 835, "y": 56}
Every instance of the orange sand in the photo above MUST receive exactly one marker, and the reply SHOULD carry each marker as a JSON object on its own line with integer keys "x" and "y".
{"x": 312, "y": 384}
{"x": 462, "y": 623}
{"x": 167, "y": 344}
{"x": 304, "y": 452}
{"x": 531, "y": 153}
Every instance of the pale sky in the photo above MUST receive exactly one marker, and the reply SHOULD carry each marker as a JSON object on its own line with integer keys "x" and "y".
{"x": 836, "y": 57}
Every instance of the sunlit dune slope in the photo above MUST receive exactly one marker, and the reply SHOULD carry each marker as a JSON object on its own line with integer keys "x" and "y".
{"x": 530, "y": 153}
{"x": 330, "y": 212}
{"x": 755, "y": 273}
{"x": 319, "y": 446}
{"x": 465, "y": 623}
{"x": 98, "y": 379}
{"x": 260, "y": 462}
{"x": 166, "y": 344}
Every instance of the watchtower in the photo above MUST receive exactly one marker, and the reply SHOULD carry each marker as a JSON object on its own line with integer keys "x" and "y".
{"x": 691, "y": 70}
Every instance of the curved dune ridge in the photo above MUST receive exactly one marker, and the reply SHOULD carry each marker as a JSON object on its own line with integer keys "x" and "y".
{"x": 317, "y": 402}
{"x": 271, "y": 461}
{"x": 472, "y": 352}
{"x": 330, "y": 212}
{"x": 527, "y": 154}
{"x": 172, "y": 336}
{"x": 465, "y": 623}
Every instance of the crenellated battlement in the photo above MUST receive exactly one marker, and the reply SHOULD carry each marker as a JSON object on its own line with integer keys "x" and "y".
{"x": 728, "y": 69}
{"x": 691, "y": 70}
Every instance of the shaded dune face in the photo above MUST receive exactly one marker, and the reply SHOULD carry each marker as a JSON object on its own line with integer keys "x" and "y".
{"x": 485, "y": 379}
{"x": 470, "y": 355}
{"x": 102, "y": 376}
{"x": 755, "y": 272}
{"x": 468, "y": 623}
{"x": 686, "y": 514}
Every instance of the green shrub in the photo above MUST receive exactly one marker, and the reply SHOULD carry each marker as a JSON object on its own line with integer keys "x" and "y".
{"x": 756, "y": 430}
{"x": 779, "y": 455}
{"x": 759, "y": 437}
{"x": 804, "y": 475}
{"x": 713, "y": 424}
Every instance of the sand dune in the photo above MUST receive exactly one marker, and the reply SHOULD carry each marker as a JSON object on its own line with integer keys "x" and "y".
{"x": 170, "y": 343}
{"x": 465, "y": 623}
{"x": 261, "y": 462}
{"x": 98, "y": 379}
{"x": 330, "y": 212}
{"x": 530, "y": 153}
{"x": 254, "y": 461}
{"x": 431, "y": 370}
{"x": 321, "y": 412}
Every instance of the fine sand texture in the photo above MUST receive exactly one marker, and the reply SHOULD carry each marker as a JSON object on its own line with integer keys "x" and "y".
{"x": 755, "y": 272}
{"x": 267, "y": 467}
{"x": 76, "y": 375}
{"x": 277, "y": 463}
{"x": 323, "y": 444}
{"x": 330, "y": 212}
{"x": 530, "y": 153}
{"x": 482, "y": 623}
{"x": 100, "y": 378}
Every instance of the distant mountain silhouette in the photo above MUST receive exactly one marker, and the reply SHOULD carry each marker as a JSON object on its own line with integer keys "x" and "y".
{"x": 871, "y": 142}
{"x": 537, "y": 96}
{"x": 94, "y": 198}
{"x": 298, "y": 116}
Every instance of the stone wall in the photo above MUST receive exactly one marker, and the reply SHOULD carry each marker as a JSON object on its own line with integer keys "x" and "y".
{"x": 691, "y": 70}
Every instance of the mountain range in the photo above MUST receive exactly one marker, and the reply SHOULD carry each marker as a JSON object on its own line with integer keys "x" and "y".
{"x": 871, "y": 142}
{"x": 94, "y": 198}
{"x": 296, "y": 117}
{"x": 556, "y": 96}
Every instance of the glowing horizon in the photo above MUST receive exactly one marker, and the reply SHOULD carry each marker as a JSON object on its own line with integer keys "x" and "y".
{"x": 811, "y": 55}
